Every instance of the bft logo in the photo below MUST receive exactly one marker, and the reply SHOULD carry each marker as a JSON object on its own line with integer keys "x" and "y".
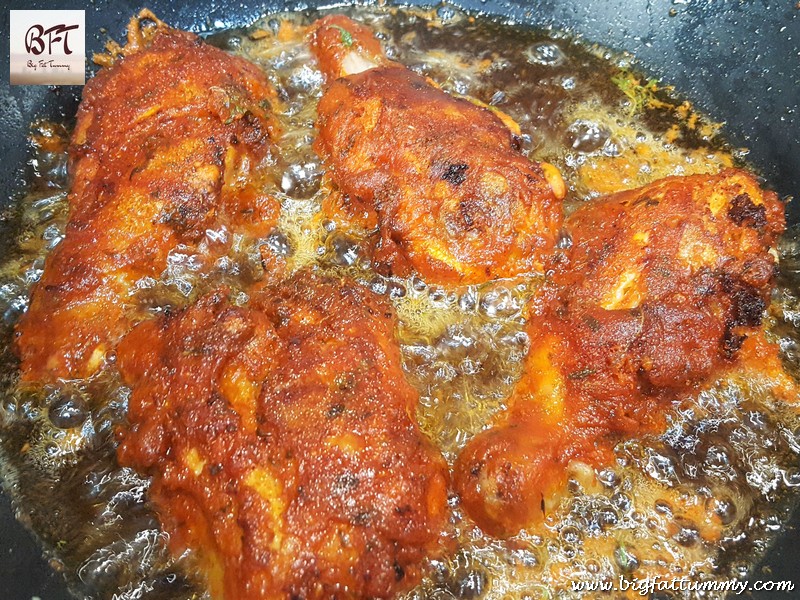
{"x": 48, "y": 47}
{"x": 35, "y": 38}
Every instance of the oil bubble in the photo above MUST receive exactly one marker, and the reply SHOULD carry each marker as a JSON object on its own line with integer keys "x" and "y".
{"x": 545, "y": 53}
{"x": 68, "y": 409}
{"x": 586, "y": 136}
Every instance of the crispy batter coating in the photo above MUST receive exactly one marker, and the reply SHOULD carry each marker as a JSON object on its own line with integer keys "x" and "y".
{"x": 663, "y": 288}
{"x": 456, "y": 200}
{"x": 166, "y": 145}
{"x": 281, "y": 442}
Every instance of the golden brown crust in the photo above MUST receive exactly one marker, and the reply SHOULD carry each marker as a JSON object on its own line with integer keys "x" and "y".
{"x": 281, "y": 443}
{"x": 663, "y": 286}
{"x": 164, "y": 142}
{"x": 455, "y": 199}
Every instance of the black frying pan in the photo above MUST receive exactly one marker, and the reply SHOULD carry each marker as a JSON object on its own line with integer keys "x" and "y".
{"x": 738, "y": 60}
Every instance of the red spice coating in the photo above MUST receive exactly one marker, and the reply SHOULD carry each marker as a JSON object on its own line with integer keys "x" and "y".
{"x": 282, "y": 444}
{"x": 663, "y": 287}
{"x": 455, "y": 198}
{"x": 164, "y": 144}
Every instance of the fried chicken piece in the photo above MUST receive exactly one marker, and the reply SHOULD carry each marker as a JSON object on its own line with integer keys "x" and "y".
{"x": 664, "y": 287}
{"x": 167, "y": 144}
{"x": 456, "y": 200}
{"x": 281, "y": 443}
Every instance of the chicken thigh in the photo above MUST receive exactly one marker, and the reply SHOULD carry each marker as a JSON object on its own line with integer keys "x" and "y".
{"x": 456, "y": 200}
